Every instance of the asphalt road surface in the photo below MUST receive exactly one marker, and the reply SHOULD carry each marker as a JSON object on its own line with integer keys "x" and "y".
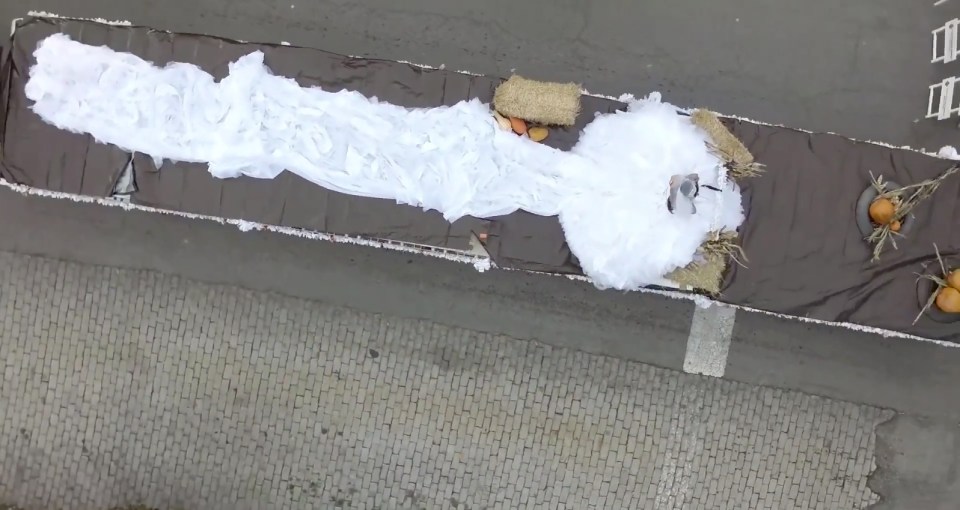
{"x": 856, "y": 68}
{"x": 859, "y": 68}
{"x": 899, "y": 395}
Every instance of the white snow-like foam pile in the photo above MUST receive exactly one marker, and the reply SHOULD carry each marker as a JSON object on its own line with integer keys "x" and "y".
{"x": 609, "y": 191}
{"x": 948, "y": 152}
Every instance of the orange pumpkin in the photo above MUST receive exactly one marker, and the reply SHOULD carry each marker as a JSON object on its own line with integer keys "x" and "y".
{"x": 953, "y": 279}
{"x": 518, "y": 125}
{"x": 882, "y": 211}
{"x": 948, "y": 300}
{"x": 895, "y": 225}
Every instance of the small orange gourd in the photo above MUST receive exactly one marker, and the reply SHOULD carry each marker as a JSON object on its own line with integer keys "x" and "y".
{"x": 538, "y": 133}
{"x": 948, "y": 300}
{"x": 953, "y": 279}
{"x": 882, "y": 211}
{"x": 518, "y": 125}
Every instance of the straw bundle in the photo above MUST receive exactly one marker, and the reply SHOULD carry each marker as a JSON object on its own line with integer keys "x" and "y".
{"x": 722, "y": 138}
{"x": 724, "y": 145}
{"x": 553, "y": 104}
{"x": 706, "y": 274}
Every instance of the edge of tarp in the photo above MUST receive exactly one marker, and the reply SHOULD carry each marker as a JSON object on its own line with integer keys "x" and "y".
{"x": 6, "y": 67}
{"x": 480, "y": 263}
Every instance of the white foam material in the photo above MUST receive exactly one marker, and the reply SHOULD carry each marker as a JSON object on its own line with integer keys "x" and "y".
{"x": 948, "y": 152}
{"x": 609, "y": 191}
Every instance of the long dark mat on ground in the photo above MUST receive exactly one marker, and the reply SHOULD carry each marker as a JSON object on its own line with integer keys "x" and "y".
{"x": 805, "y": 255}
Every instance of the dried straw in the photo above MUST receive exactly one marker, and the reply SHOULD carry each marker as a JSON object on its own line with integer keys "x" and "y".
{"x": 725, "y": 245}
{"x": 554, "y": 104}
{"x": 939, "y": 281}
{"x": 902, "y": 206}
{"x": 706, "y": 274}
{"x": 725, "y": 146}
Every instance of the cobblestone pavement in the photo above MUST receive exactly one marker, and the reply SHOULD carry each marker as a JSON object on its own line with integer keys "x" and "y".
{"x": 123, "y": 387}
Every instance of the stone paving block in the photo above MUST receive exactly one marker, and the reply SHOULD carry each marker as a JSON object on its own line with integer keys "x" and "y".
{"x": 130, "y": 387}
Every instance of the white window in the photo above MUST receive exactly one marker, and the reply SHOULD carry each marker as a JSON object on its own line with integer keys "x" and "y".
{"x": 942, "y": 102}
{"x": 945, "y": 42}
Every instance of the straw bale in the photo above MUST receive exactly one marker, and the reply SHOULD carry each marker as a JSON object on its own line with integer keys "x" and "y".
{"x": 548, "y": 103}
{"x": 721, "y": 137}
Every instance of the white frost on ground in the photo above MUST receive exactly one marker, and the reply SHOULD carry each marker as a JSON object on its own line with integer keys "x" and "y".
{"x": 482, "y": 265}
{"x": 50, "y": 15}
{"x": 609, "y": 191}
{"x": 247, "y": 226}
{"x": 948, "y": 152}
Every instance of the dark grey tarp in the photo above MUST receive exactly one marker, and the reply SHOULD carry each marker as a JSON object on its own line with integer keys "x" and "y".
{"x": 806, "y": 257}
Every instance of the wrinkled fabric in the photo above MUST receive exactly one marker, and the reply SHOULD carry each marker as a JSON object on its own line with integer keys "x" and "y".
{"x": 609, "y": 191}
{"x": 807, "y": 257}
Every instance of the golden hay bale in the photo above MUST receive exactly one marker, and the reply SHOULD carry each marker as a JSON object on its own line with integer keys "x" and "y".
{"x": 721, "y": 137}
{"x": 706, "y": 274}
{"x": 554, "y": 104}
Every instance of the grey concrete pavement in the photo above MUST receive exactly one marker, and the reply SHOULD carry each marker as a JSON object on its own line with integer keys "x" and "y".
{"x": 513, "y": 303}
{"x": 916, "y": 379}
{"x": 920, "y": 459}
{"x": 132, "y": 387}
{"x": 918, "y": 451}
{"x": 913, "y": 377}
{"x": 860, "y": 68}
